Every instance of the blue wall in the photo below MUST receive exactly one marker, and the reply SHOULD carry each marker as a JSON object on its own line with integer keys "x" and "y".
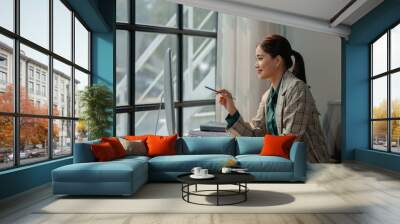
{"x": 103, "y": 62}
{"x": 99, "y": 15}
{"x": 356, "y": 85}
{"x": 24, "y": 178}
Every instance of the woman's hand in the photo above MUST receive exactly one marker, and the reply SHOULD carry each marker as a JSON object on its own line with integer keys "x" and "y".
{"x": 226, "y": 100}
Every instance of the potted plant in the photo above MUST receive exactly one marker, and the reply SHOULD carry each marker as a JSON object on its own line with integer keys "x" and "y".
{"x": 96, "y": 104}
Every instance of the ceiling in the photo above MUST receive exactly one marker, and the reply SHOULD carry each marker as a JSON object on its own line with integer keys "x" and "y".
{"x": 327, "y": 16}
{"x": 320, "y": 9}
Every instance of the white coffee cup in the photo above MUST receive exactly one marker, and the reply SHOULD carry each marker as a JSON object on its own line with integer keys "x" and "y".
{"x": 196, "y": 170}
{"x": 226, "y": 170}
{"x": 203, "y": 172}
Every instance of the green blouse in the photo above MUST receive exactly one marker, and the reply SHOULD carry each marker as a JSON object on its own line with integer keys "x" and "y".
{"x": 269, "y": 113}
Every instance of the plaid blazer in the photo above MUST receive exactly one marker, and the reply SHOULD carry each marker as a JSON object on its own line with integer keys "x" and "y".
{"x": 295, "y": 113}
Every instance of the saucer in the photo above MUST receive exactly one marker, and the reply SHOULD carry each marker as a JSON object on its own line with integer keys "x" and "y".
{"x": 208, "y": 176}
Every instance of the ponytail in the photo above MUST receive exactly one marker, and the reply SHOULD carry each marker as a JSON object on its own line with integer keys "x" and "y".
{"x": 298, "y": 68}
{"x": 276, "y": 45}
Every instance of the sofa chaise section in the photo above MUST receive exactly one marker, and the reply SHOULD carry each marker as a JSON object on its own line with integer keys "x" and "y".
{"x": 87, "y": 177}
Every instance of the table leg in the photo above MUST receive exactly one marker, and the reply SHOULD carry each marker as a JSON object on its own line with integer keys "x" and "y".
{"x": 182, "y": 188}
{"x": 196, "y": 188}
{"x": 217, "y": 194}
{"x": 245, "y": 193}
{"x": 188, "y": 189}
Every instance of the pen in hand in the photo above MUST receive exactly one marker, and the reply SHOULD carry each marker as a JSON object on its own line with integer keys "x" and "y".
{"x": 217, "y": 92}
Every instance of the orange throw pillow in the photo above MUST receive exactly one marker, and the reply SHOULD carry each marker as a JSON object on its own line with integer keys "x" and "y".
{"x": 103, "y": 152}
{"x": 161, "y": 145}
{"x": 116, "y": 145}
{"x": 277, "y": 145}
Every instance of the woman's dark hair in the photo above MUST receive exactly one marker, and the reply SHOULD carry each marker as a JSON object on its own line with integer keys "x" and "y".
{"x": 276, "y": 45}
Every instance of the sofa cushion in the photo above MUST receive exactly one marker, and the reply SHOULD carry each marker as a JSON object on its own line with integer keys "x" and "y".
{"x": 116, "y": 145}
{"x": 277, "y": 145}
{"x": 206, "y": 145}
{"x": 134, "y": 147}
{"x": 161, "y": 145}
{"x": 185, "y": 163}
{"x": 103, "y": 152}
{"x": 249, "y": 145}
{"x": 257, "y": 163}
{"x": 111, "y": 171}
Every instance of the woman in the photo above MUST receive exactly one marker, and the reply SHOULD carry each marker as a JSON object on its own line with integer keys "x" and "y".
{"x": 287, "y": 107}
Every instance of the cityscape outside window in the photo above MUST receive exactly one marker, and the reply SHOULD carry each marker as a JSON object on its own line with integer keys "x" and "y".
{"x": 34, "y": 87}
{"x": 385, "y": 92}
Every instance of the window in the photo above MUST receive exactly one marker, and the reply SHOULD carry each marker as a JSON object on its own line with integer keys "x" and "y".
{"x": 3, "y": 61}
{"x": 38, "y": 89}
{"x": 33, "y": 149}
{"x": 149, "y": 81}
{"x": 37, "y": 74}
{"x": 81, "y": 45}
{"x": 7, "y": 14}
{"x": 34, "y": 22}
{"x": 63, "y": 142}
{"x": 122, "y": 124}
{"x": 6, "y": 142}
{"x": 139, "y": 85}
{"x": 199, "y": 19}
{"x": 123, "y": 12}
{"x": 123, "y": 64}
{"x": 30, "y": 72}
{"x": 385, "y": 94}
{"x": 156, "y": 13}
{"x": 62, "y": 31}
{"x": 62, "y": 74}
{"x": 53, "y": 125}
{"x": 3, "y": 78}
{"x": 30, "y": 87}
{"x": 199, "y": 60}
{"x": 3, "y": 72}
{"x": 43, "y": 90}
{"x": 6, "y": 72}
{"x": 81, "y": 81}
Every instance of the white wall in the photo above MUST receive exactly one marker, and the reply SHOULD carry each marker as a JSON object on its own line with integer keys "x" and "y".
{"x": 322, "y": 58}
{"x": 237, "y": 41}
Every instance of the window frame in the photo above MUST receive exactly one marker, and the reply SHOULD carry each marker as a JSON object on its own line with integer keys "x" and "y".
{"x": 388, "y": 74}
{"x": 16, "y": 114}
{"x": 180, "y": 31}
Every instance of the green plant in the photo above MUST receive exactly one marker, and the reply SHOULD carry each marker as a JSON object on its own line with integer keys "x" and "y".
{"x": 96, "y": 102}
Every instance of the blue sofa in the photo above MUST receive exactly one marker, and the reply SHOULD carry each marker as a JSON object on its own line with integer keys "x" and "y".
{"x": 125, "y": 176}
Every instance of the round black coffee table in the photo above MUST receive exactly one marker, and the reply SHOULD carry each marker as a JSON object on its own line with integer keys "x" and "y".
{"x": 238, "y": 179}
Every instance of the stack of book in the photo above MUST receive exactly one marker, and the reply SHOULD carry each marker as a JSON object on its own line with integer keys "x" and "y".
{"x": 211, "y": 128}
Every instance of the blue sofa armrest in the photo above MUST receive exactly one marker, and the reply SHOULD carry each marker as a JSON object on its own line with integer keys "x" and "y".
{"x": 83, "y": 152}
{"x": 298, "y": 156}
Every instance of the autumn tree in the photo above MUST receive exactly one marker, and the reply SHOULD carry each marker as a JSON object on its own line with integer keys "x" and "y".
{"x": 6, "y": 122}
{"x": 380, "y": 127}
{"x": 33, "y": 131}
